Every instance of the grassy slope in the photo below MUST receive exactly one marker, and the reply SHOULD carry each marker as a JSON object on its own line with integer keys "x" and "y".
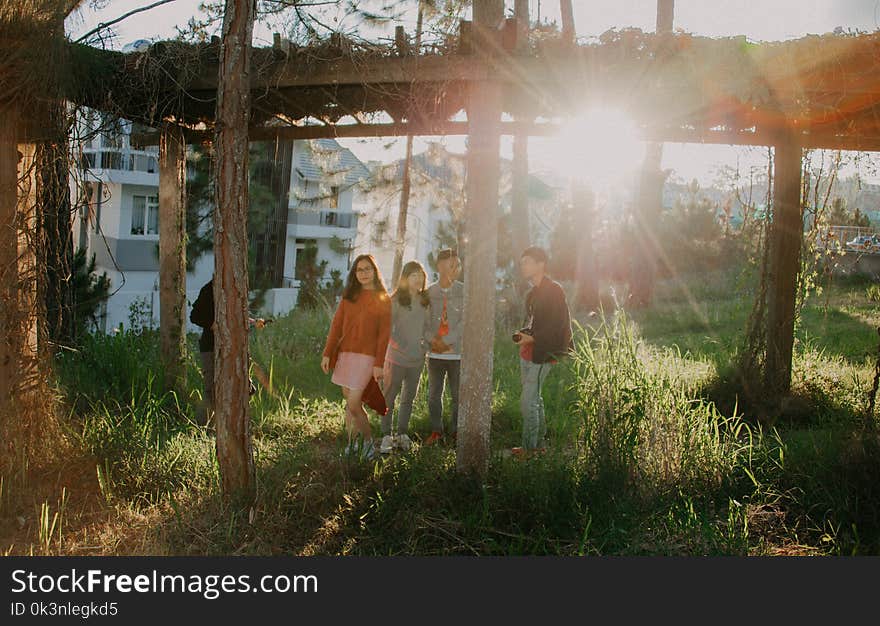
{"x": 674, "y": 476}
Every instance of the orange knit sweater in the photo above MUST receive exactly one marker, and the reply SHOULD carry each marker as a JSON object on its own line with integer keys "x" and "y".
{"x": 362, "y": 326}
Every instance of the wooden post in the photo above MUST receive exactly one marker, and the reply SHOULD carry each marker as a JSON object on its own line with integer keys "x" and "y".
{"x": 172, "y": 256}
{"x": 519, "y": 201}
{"x": 9, "y": 351}
{"x": 523, "y": 26}
{"x": 28, "y": 379}
{"x": 586, "y": 280}
{"x": 567, "y": 14}
{"x": 481, "y": 219}
{"x": 402, "y": 212}
{"x": 647, "y": 211}
{"x": 231, "y": 394}
{"x": 465, "y": 37}
{"x": 650, "y": 200}
{"x": 400, "y": 41}
{"x": 403, "y": 209}
{"x": 19, "y": 363}
{"x": 785, "y": 252}
{"x": 665, "y": 15}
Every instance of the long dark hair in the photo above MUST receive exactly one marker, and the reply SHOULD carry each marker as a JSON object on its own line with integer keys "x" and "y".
{"x": 353, "y": 285}
{"x": 402, "y": 292}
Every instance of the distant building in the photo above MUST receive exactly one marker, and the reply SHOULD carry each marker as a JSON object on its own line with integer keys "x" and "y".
{"x": 119, "y": 222}
{"x": 322, "y": 222}
{"x": 435, "y": 212}
{"x": 312, "y": 183}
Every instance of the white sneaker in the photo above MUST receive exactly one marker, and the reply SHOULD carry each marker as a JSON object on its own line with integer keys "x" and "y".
{"x": 404, "y": 442}
{"x": 387, "y": 444}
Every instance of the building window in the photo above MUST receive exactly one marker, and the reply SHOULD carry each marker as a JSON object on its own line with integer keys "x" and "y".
{"x": 334, "y": 197}
{"x": 145, "y": 215}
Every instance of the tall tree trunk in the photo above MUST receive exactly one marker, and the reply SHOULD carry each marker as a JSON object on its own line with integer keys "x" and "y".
{"x": 521, "y": 13}
{"x": 481, "y": 218}
{"x": 587, "y": 295}
{"x": 400, "y": 242}
{"x": 643, "y": 269}
{"x": 9, "y": 345}
{"x": 172, "y": 256}
{"x": 403, "y": 212}
{"x": 785, "y": 250}
{"x": 568, "y": 32}
{"x": 650, "y": 203}
{"x": 28, "y": 376}
{"x": 519, "y": 202}
{"x": 19, "y": 373}
{"x": 234, "y": 451}
{"x": 56, "y": 239}
{"x": 665, "y": 15}
{"x": 520, "y": 226}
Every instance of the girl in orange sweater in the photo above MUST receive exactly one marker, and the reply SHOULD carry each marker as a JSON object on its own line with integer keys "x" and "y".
{"x": 356, "y": 344}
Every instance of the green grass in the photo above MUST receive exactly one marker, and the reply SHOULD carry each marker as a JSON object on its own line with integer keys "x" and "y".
{"x": 641, "y": 459}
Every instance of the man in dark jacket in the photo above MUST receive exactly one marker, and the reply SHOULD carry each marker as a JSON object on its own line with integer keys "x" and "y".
{"x": 202, "y": 314}
{"x": 544, "y": 338}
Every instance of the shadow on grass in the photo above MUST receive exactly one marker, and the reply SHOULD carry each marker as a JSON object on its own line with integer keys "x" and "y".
{"x": 808, "y": 492}
{"x": 839, "y": 333}
{"x": 418, "y": 504}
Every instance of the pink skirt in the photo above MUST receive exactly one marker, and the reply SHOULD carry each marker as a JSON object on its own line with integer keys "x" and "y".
{"x": 353, "y": 370}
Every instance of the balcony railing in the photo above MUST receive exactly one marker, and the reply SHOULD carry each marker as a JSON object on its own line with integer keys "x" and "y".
{"x": 123, "y": 160}
{"x": 333, "y": 219}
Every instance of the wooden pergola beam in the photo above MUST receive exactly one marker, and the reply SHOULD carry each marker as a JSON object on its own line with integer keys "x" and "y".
{"x": 827, "y": 141}
{"x": 393, "y": 70}
{"x": 452, "y": 68}
{"x": 788, "y": 81}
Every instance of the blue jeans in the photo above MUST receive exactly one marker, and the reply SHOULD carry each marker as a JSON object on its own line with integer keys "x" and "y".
{"x": 440, "y": 371}
{"x": 532, "y": 376}
{"x": 400, "y": 378}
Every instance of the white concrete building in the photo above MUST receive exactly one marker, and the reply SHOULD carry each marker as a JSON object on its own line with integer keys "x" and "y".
{"x": 321, "y": 220}
{"x": 119, "y": 224}
{"x": 313, "y": 183}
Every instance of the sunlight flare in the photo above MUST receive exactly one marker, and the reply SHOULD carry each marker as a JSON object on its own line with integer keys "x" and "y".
{"x": 600, "y": 148}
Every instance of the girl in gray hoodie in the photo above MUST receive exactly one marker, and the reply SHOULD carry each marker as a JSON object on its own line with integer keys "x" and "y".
{"x": 405, "y": 358}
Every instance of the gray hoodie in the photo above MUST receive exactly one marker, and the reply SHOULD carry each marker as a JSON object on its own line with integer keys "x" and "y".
{"x": 454, "y": 314}
{"x": 409, "y": 325}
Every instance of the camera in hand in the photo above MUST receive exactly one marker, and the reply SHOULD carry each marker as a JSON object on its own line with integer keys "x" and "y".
{"x": 517, "y": 336}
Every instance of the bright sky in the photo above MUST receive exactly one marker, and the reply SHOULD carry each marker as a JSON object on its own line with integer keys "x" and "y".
{"x": 760, "y": 20}
{"x": 766, "y": 20}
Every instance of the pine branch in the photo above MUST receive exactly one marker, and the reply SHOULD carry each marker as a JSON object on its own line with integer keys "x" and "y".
{"x": 104, "y": 25}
